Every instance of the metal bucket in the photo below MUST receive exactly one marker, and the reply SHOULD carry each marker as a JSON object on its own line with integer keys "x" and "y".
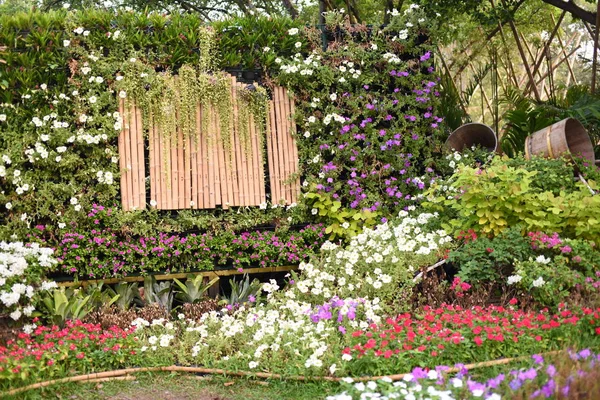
{"x": 565, "y": 138}
{"x": 472, "y": 134}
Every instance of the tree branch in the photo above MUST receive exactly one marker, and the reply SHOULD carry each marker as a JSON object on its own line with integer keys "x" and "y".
{"x": 574, "y": 10}
{"x": 290, "y": 8}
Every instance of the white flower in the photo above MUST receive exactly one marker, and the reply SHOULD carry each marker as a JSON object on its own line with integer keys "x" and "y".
{"x": 293, "y": 31}
{"x": 58, "y": 158}
{"x": 538, "y": 282}
{"x": 8, "y": 205}
{"x": 66, "y": 6}
{"x": 307, "y": 134}
{"x": 266, "y": 49}
{"x": 78, "y": 30}
{"x": 66, "y": 43}
{"x": 99, "y": 79}
{"x": 514, "y": 279}
{"x": 122, "y": 94}
{"x": 2, "y": 117}
{"x": 15, "y": 315}
{"x": 92, "y": 99}
{"x": 345, "y": 225}
{"x": 298, "y": 45}
{"x": 153, "y": 203}
{"x": 23, "y": 216}
{"x": 252, "y": 364}
{"x": 542, "y": 260}
{"x": 346, "y": 357}
{"x": 314, "y": 211}
{"x": 86, "y": 33}
{"x": 152, "y": 340}
{"x": 78, "y": 207}
{"x": 74, "y": 200}
{"x": 132, "y": 59}
{"x": 61, "y": 149}
{"x": 62, "y": 225}
{"x": 333, "y": 96}
{"x": 332, "y": 369}
{"x": 373, "y": 46}
{"x": 263, "y": 205}
{"x": 312, "y": 119}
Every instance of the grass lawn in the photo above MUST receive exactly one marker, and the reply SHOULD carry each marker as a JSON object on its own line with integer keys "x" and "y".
{"x": 157, "y": 386}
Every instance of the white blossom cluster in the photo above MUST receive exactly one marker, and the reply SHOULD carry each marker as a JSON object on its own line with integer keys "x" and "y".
{"x": 303, "y": 66}
{"x": 17, "y": 288}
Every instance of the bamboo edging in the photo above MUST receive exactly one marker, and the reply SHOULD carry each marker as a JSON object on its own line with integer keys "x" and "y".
{"x": 95, "y": 377}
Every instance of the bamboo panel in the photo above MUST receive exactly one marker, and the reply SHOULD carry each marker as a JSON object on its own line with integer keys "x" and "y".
{"x": 246, "y": 162}
{"x": 211, "y": 163}
{"x": 287, "y": 139}
{"x": 281, "y": 129}
{"x": 219, "y": 157}
{"x": 238, "y": 189}
{"x": 197, "y": 162}
{"x": 296, "y": 184}
{"x": 141, "y": 164}
{"x": 123, "y": 158}
{"x": 183, "y": 202}
{"x": 255, "y": 160}
{"x": 271, "y": 150}
{"x": 154, "y": 185}
{"x": 162, "y": 155}
{"x": 262, "y": 196}
{"x": 191, "y": 166}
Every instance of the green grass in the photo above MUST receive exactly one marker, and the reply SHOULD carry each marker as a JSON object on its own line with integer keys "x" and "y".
{"x": 156, "y": 386}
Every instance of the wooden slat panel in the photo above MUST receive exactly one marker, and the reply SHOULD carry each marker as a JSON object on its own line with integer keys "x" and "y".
{"x": 141, "y": 163}
{"x": 289, "y": 162}
{"x": 191, "y": 166}
{"x": 134, "y": 164}
{"x": 254, "y": 159}
{"x": 197, "y": 163}
{"x": 163, "y": 153}
{"x": 211, "y": 154}
{"x": 123, "y": 139}
{"x": 261, "y": 166}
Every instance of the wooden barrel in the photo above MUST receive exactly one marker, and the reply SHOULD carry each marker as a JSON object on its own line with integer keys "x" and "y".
{"x": 565, "y": 138}
{"x": 472, "y": 134}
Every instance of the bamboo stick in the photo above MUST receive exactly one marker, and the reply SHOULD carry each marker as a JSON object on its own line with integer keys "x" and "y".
{"x": 242, "y": 152}
{"x": 174, "y": 177}
{"x": 296, "y": 165}
{"x": 123, "y": 138}
{"x": 152, "y": 150}
{"x": 183, "y": 202}
{"x": 264, "y": 375}
{"x": 270, "y": 148}
{"x": 191, "y": 166}
{"x": 199, "y": 161}
{"x": 227, "y": 170}
{"x": 210, "y": 138}
{"x": 220, "y": 195}
{"x": 162, "y": 154}
{"x": 260, "y": 140}
{"x": 135, "y": 164}
{"x": 141, "y": 157}
{"x": 255, "y": 160}
{"x": 238, "y": 185}
{"x": 203, "y": 143}
{"x": 275, "y": 149}
{"x": 281, "y": 144}
{"x": 289, "y": 157}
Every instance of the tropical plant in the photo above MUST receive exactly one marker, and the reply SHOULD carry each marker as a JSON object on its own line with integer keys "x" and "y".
{"x": 194, "y": 289}
{"x": 63, "y": 304}
{"x": 159, "y": 293}
{"x": 242, "y": 291}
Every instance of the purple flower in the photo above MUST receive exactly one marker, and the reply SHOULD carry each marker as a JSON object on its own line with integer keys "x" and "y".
{"x": 515, "y": 384}
{"x": 538, "y": 359}
{"x": 551, "y": 370}
{"x": 251, "y": 299}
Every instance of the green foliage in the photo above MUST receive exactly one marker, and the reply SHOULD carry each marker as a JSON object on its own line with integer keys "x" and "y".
{"x": 242, "y": 290}
{"x": 128, "y": 294}
{"x": 63, "y": 304}
{"x": 194, "y": 288}
{"x": 491, "y": 200}
{"x": 341, "y": 222}
{"x": 486, "y": 260}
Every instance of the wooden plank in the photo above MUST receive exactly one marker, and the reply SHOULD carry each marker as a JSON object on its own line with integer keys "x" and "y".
{"x": 281, "y": 132}
{"x": 123, "y": 139}
{"x": 238, "y": 185}
{"x": 134, "y": 164}
{"x": 172, "y": 182}
{"x": 206, "y": 190}
{"x": 141, "y": 159}
{"x": 262, "y": 195}
{"x": 296, "y": 185}
{"x": 271, "y": 149}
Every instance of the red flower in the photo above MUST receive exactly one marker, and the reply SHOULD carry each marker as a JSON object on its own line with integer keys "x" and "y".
{"x": 421, "y": 348}
{"x": 80, "y": 355}
{"x": 598, "y": 331}
{"x": 538, "y": 338}
{"x": 489, "y": 250}
{"x": 513, "y": 301}
{"x": 50, "y": 363}
{"x": 478, "y": 341}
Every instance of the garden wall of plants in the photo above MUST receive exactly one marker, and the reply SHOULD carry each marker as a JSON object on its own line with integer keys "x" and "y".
{"x": 366, "y": 130}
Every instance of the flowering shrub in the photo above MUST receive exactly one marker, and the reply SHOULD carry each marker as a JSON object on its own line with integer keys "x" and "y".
{"x": 23, "y": 268}
{"x": 48, "y": 351}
